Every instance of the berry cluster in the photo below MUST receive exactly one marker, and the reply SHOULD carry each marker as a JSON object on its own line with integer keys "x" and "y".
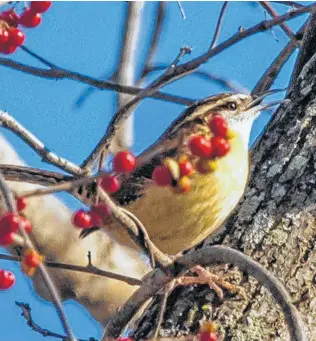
{"x": 123, "y": 162}
{"x": 203, "y": 153}
{"x": 10, "y": 222}
{"x": 11, "y": 37}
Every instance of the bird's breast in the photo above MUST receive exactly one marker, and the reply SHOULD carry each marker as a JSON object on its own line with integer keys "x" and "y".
{"x": 176, "y": 222}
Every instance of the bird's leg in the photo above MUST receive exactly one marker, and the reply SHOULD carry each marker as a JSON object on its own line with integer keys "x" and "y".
{"x": 215, "y": 282}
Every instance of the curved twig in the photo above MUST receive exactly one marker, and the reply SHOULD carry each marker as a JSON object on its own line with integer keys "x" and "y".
{"x": 219, "y": 25}
{"x": 211, "y": 255}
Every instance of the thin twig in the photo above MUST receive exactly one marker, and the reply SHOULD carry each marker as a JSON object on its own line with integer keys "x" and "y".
{"x": 9, "y": 202}
{"x": 26, "y": 313}
{"x": 219, "y": 25}
{"x": 89, "y": 269}
{"x": 38, "y": 57}
{"x": 211, "y": 255}
{"x": 222, "y": 81}
{"x": 10, "y": 123}
{"x": 181, "y": 10}
{"x": 176, "y": 72}
{"x": 292, "y": 4}
{"x": 59, "y": 73}
{"x": 162, "y": 309}
{"x": 285, "y": 28}
{"x": 270, "y": 74}
{"x": 160, "y": 19}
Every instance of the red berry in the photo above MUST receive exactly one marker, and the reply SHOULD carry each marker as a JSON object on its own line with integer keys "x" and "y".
{"x": 7, "y": 239}
{"x": 186, "y": 168}
{"x": 7, "y": 48}
{"x": 32, "y": 259}
{"x": 200, "y": 146}
{"x": 125, "y": 339}
{"x": 102, "y": 210}
{"x": 124, "y": 162}
{"x": 25, "y": 223}
{"x": 40, "y": 6}
{"x": 218, "y": 125}
{"x": 20, "y": 203}
{"x": 110, "y": 184}
{"x": 16, "y": 36}
{"x": 9, "y": 223}
{"x": 81, "y": 219}
{"x": 10, "y": 17}
{"x": 220, "y": 146}
{"x": 30, "y": 19}
{"x": 7, "y": 279}
{"x": 96, "y": 219}
{"x": 162, "y": 176}
{"x": 4, "y": 36}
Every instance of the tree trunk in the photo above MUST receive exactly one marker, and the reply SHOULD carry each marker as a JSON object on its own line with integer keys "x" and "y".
{"x": 274, "y": 224}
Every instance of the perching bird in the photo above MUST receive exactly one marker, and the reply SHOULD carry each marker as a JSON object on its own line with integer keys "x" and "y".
{"x": 176, "y": 222}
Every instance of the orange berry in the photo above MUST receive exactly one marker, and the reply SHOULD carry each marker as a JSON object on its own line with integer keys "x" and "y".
{"x": 184, "y": 184}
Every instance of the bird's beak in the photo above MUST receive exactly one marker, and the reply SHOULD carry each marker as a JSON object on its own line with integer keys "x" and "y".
{"x": 256, "y": 105}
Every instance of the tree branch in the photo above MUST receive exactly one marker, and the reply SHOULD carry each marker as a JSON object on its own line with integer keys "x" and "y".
{"x": 26, "y": 313}
{"x": 60, "y": 73}
{"x": 90, "y": 269}
{"x": 205, "y": 257}
{"x": 8, "y": 122}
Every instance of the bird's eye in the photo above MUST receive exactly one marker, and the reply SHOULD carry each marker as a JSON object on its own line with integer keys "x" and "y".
{"x": 231, "y": 105}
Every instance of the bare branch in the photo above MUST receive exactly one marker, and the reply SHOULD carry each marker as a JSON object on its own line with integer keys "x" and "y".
{"x": 157, "y": 280}
{"x": 181, "y": 10}
{"x": 125, "y": 73}
{"x": 26, "y": 313}
{"x": 292, "y": 4}
{"x": 10, "y": 123}
{"x": 10, "y": 204}
{"x": 38, "y": 57}
{"x": 90, "y": 269}
{"x": 219, "y": 25}
{"x": 274, "y": 14}
{"x": 60, "y": 73}
{"x": 267, "y": 79}
{"x": 222, "y": 81}
{"x": 160, "y": 19}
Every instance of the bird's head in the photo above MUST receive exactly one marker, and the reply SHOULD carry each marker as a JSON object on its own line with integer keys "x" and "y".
{"x": 240, "y": 110}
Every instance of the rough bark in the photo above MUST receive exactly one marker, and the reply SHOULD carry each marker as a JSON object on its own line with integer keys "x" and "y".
{"x": 274, "y": 224}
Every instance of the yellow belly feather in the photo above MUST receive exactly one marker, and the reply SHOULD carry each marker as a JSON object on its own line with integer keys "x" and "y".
{"x": 176, "y": 222}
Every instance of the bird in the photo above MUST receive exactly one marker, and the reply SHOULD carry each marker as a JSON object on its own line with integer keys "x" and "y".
{"x": 176, "y": 222}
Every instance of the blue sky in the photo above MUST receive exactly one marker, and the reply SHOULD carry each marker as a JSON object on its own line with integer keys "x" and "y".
{"x": 85, "y": 37}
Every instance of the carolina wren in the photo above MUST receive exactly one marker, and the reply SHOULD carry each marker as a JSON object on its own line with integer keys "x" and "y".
{"x": 177, "y": 222}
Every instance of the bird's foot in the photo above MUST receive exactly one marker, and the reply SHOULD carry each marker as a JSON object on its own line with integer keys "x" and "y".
{"x": 215, "y": 282}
